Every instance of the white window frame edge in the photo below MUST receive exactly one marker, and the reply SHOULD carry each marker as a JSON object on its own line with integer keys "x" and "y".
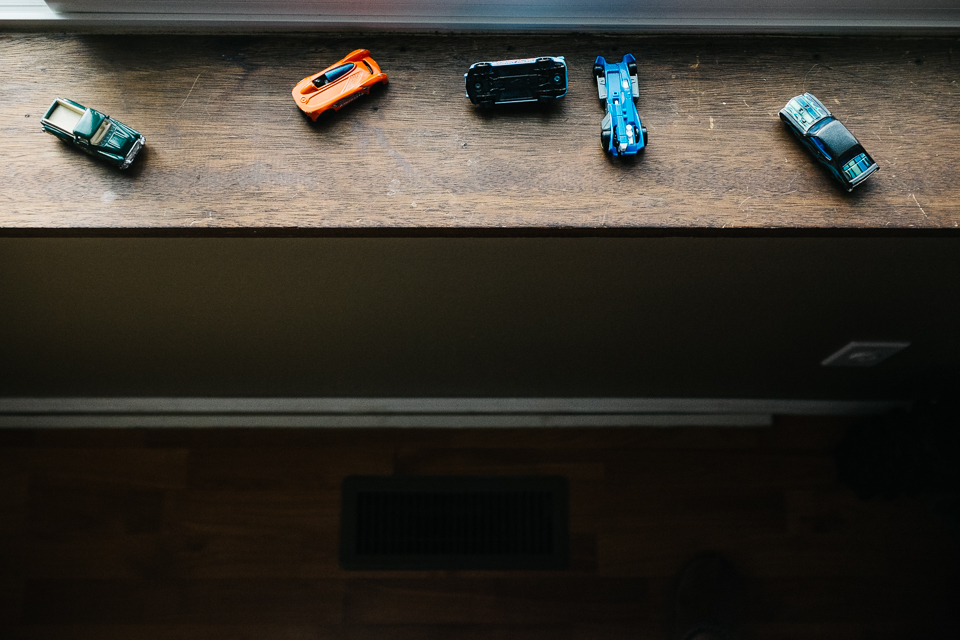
{"x": 33, "y": 15}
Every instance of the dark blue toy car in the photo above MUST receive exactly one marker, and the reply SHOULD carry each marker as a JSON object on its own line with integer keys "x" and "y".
{"x": 541, "y": 79}
{"x": 621, "y": 132}
{"x": 828, "y": 140}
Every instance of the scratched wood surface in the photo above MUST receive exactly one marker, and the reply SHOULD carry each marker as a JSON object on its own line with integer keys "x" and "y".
{"x": 227, "y": 148}
{"x": 227, "y": 534}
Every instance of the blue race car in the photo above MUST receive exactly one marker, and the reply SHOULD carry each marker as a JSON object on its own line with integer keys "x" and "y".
{"x": 828, "y": 140}
{"x": 621, "y": 132}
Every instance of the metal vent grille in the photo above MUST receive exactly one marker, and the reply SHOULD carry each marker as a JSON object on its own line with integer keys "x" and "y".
{"x": 454, "y": 523}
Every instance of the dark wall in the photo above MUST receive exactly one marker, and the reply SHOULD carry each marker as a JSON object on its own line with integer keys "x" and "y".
{"x": 693, "y": 317}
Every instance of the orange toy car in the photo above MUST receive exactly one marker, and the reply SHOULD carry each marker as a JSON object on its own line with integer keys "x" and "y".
{"x": 339, "y": 84}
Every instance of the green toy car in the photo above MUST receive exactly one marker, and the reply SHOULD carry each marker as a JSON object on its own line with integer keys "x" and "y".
{"x": 98, "y": 134}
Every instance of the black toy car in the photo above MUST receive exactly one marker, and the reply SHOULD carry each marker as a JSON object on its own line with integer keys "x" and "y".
{"x": 828, "y": 140}
{"x": 525, "y": 80}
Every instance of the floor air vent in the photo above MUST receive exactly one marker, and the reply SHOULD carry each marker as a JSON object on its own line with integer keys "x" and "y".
{"x": 453, "y": 522}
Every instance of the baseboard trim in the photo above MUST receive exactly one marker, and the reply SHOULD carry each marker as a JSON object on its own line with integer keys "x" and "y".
{"x": 505, "y": 421}
{"x": 418, "y": 412}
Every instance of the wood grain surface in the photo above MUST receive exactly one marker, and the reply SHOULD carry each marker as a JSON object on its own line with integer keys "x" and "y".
{"x": 205, "y": 534}
{"x": 228, "y": 149}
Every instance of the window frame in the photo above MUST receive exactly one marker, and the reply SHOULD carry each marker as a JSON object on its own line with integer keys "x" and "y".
{"x": 607, "y": 16}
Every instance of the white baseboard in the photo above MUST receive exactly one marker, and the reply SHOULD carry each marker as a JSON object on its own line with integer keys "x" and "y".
{"x": 418, "y": 412}
{"x": 505, "y": 421}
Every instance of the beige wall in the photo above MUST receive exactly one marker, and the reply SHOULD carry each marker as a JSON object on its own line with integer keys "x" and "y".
{"x": 685, "y": 317}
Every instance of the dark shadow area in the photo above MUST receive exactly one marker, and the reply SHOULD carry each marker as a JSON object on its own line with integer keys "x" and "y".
{"x": 541, "y": 111}
{"x": 911, "y": 453}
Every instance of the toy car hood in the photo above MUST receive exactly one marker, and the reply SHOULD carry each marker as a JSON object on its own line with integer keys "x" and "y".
{"x": 805, "y": 111}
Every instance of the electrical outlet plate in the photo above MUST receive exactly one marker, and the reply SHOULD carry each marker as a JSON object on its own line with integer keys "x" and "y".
{"x": 864, "y": 354}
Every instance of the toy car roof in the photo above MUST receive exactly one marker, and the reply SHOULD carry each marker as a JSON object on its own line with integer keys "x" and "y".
{"x": 838, "y": 138}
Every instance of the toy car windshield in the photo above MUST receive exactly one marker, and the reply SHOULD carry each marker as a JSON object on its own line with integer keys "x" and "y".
{"x": 621, "y": 132}
{"x": 93, "y": 132}
{"x": 332, "y": 75}
{"x": 524, "y": 80}
{"x": 828, "y": 140}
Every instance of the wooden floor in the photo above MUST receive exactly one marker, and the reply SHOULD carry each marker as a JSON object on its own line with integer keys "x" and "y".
{"x": 190, "y": 534}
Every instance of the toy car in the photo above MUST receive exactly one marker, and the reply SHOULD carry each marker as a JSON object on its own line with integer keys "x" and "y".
{"x": 828, "y": 140}
{"x": 339, "y": 84}
{"x": 621, "y": 132}
{"x": 98, "y": 134}
{"x": 525, "y": 80}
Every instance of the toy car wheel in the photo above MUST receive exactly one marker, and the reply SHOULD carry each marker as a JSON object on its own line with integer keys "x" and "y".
{"x": 632, "y": 68}
{"x": 605, "y": 135}
{"x": 484, "y": 67}
{"x": 486, "y": 104}
{"x": 643, "y": 132}
{"x": 598, "y": 70}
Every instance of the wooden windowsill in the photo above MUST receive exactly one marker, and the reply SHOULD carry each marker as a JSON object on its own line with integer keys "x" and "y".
{"x": 227, "y": 149}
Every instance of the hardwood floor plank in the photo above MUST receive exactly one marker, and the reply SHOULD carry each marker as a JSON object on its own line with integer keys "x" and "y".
{"x": 122, "y": 467}
{"x": 735, "y": 470}
{"x": 549, "y": 599}
{"x": 59, "y": 508}
{"x": 103, "y": 555}
{"x": 295, "y": 554}
{"x": 294, "y": 469}
{"x": 17, "y": 437}
{"x": 866, "y": 601}
{"x": 226, "y": 512}
{"x": 89, "y": 438}
{"x": 257, "y": 601}
{"x": 617, "y": 509}
{"x": 11, "y": 595}
{"x": 572, "y": 463}
{"x": 602, "y": 631}
{"x": 14, "y": 485}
